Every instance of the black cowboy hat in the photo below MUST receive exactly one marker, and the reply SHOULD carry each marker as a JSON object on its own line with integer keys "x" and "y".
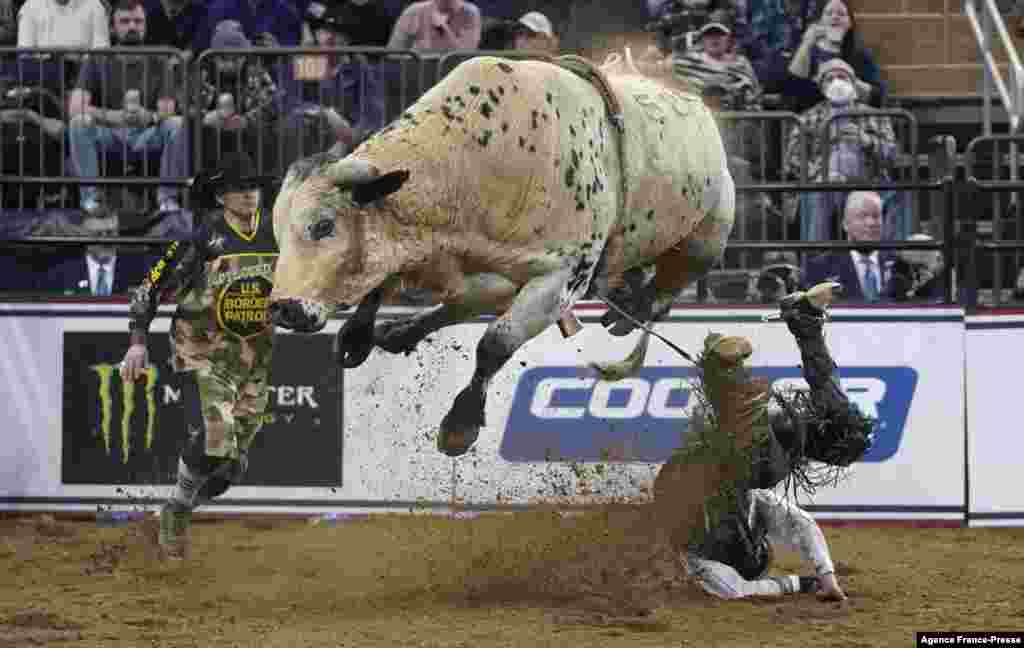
{"x": 235, "y": 172}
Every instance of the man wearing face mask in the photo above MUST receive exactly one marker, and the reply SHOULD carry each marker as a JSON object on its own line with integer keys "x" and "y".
{"x": 861, "y": 147}
{"x": 121, "y": 102}
{"x": 101, "y": 271}
{"x": 221, "y": 336}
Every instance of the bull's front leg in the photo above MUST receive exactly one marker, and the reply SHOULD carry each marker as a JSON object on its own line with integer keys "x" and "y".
{"x": 355, "y": 339}
{"x": 484, "y": 293}
{"x": 537, "y": 306}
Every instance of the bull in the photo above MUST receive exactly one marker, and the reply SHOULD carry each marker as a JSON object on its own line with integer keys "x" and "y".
{"x": 510, "y": 188}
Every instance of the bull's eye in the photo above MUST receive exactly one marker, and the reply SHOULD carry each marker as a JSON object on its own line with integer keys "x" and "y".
{"x": 321, "y": 229}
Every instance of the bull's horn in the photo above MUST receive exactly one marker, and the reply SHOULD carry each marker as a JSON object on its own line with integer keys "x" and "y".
{"x": 349, "y": 172}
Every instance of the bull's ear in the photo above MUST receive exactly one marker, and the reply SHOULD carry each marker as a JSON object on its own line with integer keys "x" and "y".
{"x": 385, "y": 185}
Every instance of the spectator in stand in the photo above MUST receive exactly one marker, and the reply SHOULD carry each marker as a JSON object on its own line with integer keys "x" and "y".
{"x": 868, "y": 274}
{"x": 769, "y": 32}
{"x": 100, "y": 271}
{"x": 438, "y": 25}
{"x": 917, "y": 274}
{"x": 267, "y": 23}
{"x": 333, "y": 99}
{"x": 64, "y": 23}
{"x": 714, "y": 62}
{"x": 174, "y": 23}
{"x": 865, "y": 272}
{"x": 834, "y": 35}
{"x": 9, "y": 23}
{"x": 374, "y": 19}
{"x": 238, "y": 107}
{"x": 534, "y": 33}
{"x": 121, "y": 102}
{"x": 861, "y": 147}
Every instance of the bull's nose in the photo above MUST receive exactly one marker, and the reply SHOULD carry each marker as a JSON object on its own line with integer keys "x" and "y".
{"x": 285, "y": 313}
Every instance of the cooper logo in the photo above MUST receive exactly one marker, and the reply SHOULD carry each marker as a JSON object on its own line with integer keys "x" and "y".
{"x": 242, "y": 307}
{"x": 566, "y": 412}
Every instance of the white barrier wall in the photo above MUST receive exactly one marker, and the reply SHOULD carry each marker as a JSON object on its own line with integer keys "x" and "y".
{"x": 995, "y": 351}
{"x": 75, "y": 435}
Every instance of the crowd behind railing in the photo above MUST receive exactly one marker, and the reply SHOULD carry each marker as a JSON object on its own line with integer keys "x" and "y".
{"x": 106, "y": 111}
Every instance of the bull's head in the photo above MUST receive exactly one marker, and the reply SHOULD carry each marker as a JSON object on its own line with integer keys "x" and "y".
{"x": 327, "y": 224}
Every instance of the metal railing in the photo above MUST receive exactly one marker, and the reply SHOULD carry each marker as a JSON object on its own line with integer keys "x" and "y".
{"x": 985, "y": 18}
{"x": 414, "y": 77}
{"x": 39, "y": 82}
{"x": 1004, "y": 253}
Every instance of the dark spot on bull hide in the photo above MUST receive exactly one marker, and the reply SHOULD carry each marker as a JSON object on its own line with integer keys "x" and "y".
{"x": 532, "y": 149}
{"x": 522, "y": 142}
{"x": 544, "y": 116}
{"x": 485, "y": 110}
{"x": 493, "y": 97}
{"x": 501, "y": 90}
{"x": 558, "y": 162}
{"x": 558, "y": 113}
{"x": 504, "y": 127}
{"x": 533, "y": 120}
{"x": 485, "y": 137}
{"x": 474, "y": 89}
{"x": 515, "y": 88}
{"x": 505, "y": 67}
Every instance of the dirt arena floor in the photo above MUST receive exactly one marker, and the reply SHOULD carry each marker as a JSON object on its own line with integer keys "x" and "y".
{"x": 522, "y": 579}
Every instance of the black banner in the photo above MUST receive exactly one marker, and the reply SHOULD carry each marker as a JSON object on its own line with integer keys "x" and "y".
{"x": 132, "y": 434}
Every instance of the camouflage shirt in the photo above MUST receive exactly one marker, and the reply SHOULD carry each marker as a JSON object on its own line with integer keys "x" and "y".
{"x": 222, "y": 280}
{"x": 873, "y": 142}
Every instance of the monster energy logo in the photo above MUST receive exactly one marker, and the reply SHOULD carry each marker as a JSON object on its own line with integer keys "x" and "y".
{"x": 106, "y": 375}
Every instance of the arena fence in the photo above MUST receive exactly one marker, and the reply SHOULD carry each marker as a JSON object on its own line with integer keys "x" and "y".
{"x": 40, "y": 132}
{"x": 387, "y": 82}
{"x": 994, "y": 246}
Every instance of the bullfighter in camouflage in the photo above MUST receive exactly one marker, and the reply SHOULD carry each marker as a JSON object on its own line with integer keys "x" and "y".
{"x": 221, "y": 338}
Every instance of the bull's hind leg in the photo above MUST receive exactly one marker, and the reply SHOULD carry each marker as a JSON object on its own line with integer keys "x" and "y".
{"x": 682, "y": 264}
{"x": 537, "y": 306}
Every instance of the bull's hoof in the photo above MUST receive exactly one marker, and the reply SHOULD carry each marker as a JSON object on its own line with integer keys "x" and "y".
{"x": 353, "y": 344}
{"x": 397, "y": 336}
{"x": 456, "y": 441}
{"x": 461, "y": 425}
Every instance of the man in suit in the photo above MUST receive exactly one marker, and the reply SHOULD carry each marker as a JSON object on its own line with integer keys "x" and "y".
{"x": 100, "y": 272}
{"x": 863, "y": 272}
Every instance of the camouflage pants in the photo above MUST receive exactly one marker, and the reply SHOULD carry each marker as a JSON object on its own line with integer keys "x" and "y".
{"x": 223, "y": 413}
